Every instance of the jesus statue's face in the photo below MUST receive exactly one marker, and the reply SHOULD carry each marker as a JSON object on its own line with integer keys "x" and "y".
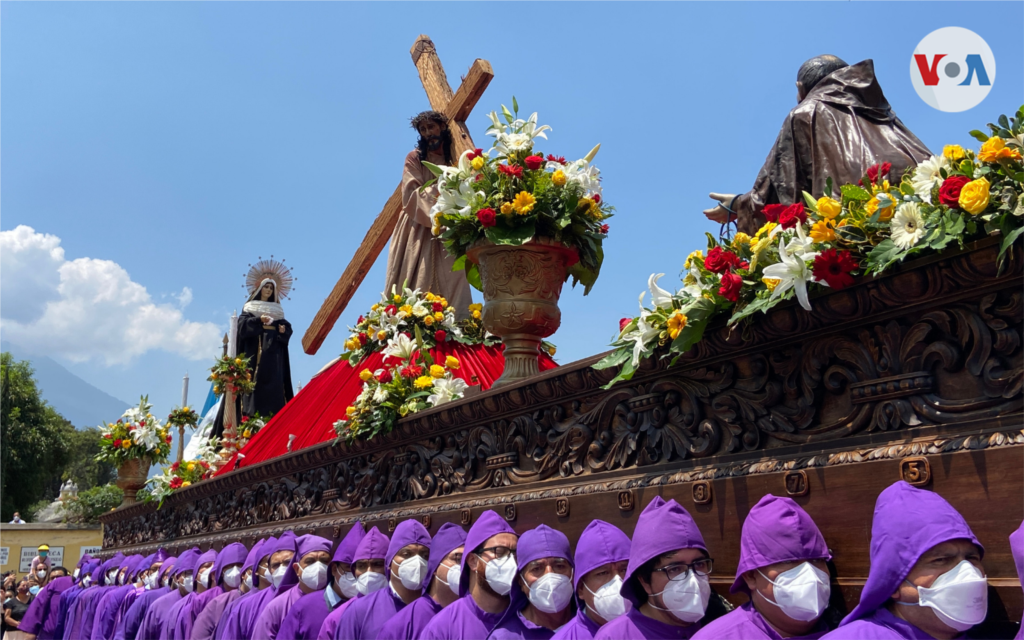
{"x": 267, "y": 292}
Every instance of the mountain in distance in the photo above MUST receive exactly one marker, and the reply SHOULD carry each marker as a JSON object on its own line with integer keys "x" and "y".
{"x": 78, "y": 401}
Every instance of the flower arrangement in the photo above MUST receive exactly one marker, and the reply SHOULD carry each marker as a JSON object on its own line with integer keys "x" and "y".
{"x": 136, "y": 435}
{"x": 512, "y": 193}
{"x": 232, "y": 374}
{"x": 183, "y": 474}
{"x": 183, "y": 417}
{"x": 825, "y": 243}
{"x": 396, "y": 390}
{"x": 250, "y": 426}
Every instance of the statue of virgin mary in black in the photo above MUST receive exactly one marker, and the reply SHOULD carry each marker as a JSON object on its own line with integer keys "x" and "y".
{"x": 263, "y": 336}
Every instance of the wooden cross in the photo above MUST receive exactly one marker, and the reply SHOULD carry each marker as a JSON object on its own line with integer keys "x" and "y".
{"x": 457, "y": 108}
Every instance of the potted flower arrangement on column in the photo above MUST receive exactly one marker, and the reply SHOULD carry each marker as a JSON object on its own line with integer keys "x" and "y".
{"x": 133, "y": 443}
{"x": 520, "y": 224}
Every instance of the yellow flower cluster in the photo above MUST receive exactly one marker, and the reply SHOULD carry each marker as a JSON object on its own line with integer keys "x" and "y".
{"x": 994, "y": 149}
{"x": 451, "y": 362}
{"x": 424, "y": 382}
{"x": 506, "y": 208}
{"x": 829, "y": 208}
{"x": 974, "y": 196}
{"x": 523, "y": 202}
{"x": 475, "y": 309}
{"x": 676, "y": 323}
{"x": 874, "y": 204}
{"x": 436, "y": 371}
{"x": 693, "y": 254}
{"x": 558, "y": 178}
{"x": 954, "y": 152}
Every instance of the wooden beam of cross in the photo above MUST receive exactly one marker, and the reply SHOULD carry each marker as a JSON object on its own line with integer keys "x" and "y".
{"x": 457, "y": 107}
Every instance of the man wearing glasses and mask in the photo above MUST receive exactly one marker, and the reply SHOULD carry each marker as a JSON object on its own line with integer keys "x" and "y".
{"x": 488, "y": 572}
{"x": 368, "y": 567}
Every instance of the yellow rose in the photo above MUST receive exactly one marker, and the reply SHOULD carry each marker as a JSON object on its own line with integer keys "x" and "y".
{"x": 693, "y": 254}
{"x": 676, "y": 323}
{"x": 994, "y": 149}
{"x": 452, "y": 362}
{"x": 476, "y": 315}
{"x": 974, "y": 196}
{"x": 423, "y": 382}
{"x": 382, "y": 335}
{"x": 216, "y": 391}
{"x": 350, "y": 410}
{"x": 444, "y": 303}
{"x": 506, "y": 208}
{"x": 740, "y": 239}
{"x": 406, "y": 309}
{"x": 954, "y": 152}
{"x": 558, "y": 178}
{"x": 523, "y": 202}
{"x": 428, "y": 320}
{"x": 886, "y": 212}
{"x": 476, "y": 306}
{"x": 375, "y": 307}
{"x": 821, "y": 231}
{"x": 238, "y": 361}
{"x": 436, "y": 371}
{"x": 126, "y": 443}
{"x": 829, "y": 208}
{"x": 396, "y": 298}
{"x": 765, "y": 229}
{"x": 186, "y": 484}
{"x": 439, "y": 316}
{"x": 477, "y": 163}
{"x": 365, "y": 375}
{"x": 191, "y": 466}
{"x": 429, "y": 296}
{"x": 246, "y": 434}
{"x": 771, "y": 283}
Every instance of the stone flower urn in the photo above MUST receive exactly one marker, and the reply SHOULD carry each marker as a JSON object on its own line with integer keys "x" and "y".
{"x": 521, "y": 285}
{"x": 131, "y": 477}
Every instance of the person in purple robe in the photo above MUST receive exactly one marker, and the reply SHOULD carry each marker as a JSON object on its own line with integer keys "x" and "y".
{"x": 145, "y": 578}
{"x": 602, "y": 557}
{"x": 926, "y": 578}
{"x": 442, "y": 586}
{"x": 309, "y": 569}
{"x": 152, "y": 627}
{"x": 85, "y": 608}
{"x": 130, "y": 624}
{"x": 41, "y": 618}
{"x": 281, "y": 579}
{"x": 106, "y": 609}
{"x": 307, "y": 615}
{"x": 782, "y": 568}
{"x": 229, "y": 626}
{"x": 181, "y": 617}
{"x": 189, "y": 582}
{"x": 405, "y": 568}
{"x": 227, "y": 580}
{"x": 666, "y": 579}
{"x": 368, "y": 569}
{"x": 69, "y": 599}
{"x": 542, "y": 594}
{"x": 487, "y": 573}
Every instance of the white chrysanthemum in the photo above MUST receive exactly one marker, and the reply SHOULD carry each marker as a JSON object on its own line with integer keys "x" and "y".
{"x": 927, "y": 176}
{"x": 907, "y": 225}
{"x": 380, "y": 395}
{"x": 419, "y": 310}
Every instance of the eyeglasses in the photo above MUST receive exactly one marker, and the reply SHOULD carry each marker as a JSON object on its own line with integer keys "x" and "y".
{"x": 497, "y": 552}
{"x": 679, "y": 570}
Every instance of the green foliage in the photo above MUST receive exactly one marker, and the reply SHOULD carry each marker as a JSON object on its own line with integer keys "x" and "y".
{"x": 89, "y": 505}
{"x": 83, "y": 469}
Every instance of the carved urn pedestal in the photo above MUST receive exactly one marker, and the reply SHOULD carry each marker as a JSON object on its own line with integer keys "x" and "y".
{"x": 521, "y": 286}
{"x": 131, "y": 477}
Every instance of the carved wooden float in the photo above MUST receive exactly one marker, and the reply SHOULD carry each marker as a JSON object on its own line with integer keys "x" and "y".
{"x": 914, "y": 375}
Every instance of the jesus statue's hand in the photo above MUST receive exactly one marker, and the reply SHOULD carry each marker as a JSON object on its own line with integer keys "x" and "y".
{"x": 266, "y": 319}
{"x": 719, "y": 213}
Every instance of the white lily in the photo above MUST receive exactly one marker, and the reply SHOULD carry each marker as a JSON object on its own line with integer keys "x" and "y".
{"x": 447, "y": 389}
{"x": 801, "y": 244}
{"x": 692, "y": 283}
{"x": 792, "y": 273}
{"x": 400, "y": 346}
{"x": 460, "y": 201}
{"x": 659, "y": 297}
{"x": 643, "y": 333}
{"x": 584, "y": 174}
{"x": 462, "y": 170}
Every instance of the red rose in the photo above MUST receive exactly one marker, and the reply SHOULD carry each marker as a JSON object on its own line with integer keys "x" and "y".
{"x": 360, "y": 320}
{"x": 949, "y": 192}
{"x": 475, "y": 153}
{"x": 720, "y": 260}
{"x": 437, "y": 306}
{"x": 791, "y": 215}
{"x": 363, "y": 338}
{"x": 478, "y": 177}
{"x": 174, "y": 467}
{"x": 391, "y": 309}
{"x": 440, "y": 335}
{"x": 487, "y": 217}
{"x": 245, "y": 419}
{"x": 596, "y": 198}
{"x": 142, "y": 423}
{"x": 533, "y": 162}
{"x": 834, "y": 267}
{"x": 558, "y": 159}
{"x": 604, "y": 229}
{"x": 167, "y": 439}
{"x": 876, "y": 173}
{"x": 731, "y": 285}
{"x": 771, "y": 211}
{"x": 511, "y": 170}
{"x": 385, "y": 376}
{"x": 623, "y": 323}
{"x": 131, "y": 428}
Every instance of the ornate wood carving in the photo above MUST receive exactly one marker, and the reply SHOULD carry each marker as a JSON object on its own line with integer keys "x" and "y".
{"x": 920, "y": 357}
{"x": 916, "y": 471}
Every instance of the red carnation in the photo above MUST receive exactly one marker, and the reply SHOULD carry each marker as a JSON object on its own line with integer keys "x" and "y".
{"x": 604, "y": 229}
{"x": 596, "y": 198}
{"x": 791, "y": 215}
{"x": 245, "y": 419}
{"x": 731, "y": 285}
{"x": 533, "y": 162}
{"x": 624, "y": 323}
{"x": 949, "y": 192}
{"x": 511, "y": 170}
{"x": 412, "y": 371}
{"x": 174, "y": 467}
{"x": 478, "y": 177}
{"x": 834, "y": 267}
{"x": 117, "y": 443}
{"x": 440, "y": 335}
{"x": 487, "y": 217}
{"x": 176, "y": 482}
{"x": 558, "y": 159}
{"x": 391, "y": 309}
{"x": 720, "y": 260}
{"x": 384, "y": 376}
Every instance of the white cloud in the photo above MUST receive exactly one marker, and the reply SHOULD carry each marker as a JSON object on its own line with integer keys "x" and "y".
{"x": 88, "y": 308}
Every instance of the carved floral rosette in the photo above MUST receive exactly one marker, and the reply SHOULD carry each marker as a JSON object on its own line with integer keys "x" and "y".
{"x": 521, "y": 286}
{"x": 131, "y": 477}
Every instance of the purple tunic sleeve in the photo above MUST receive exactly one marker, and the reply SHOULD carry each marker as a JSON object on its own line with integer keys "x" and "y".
{"x": 409, "y": 623}
{"x": 636, "y": 626}
{"x": 366, "y": 616}
{"x": 880, "y": 625}
{"x": 269, "y": 622}
{"x": 461, "y": 620}
{"x": 581, "y": 627}
{"x": 106, "y": 612}
{"x": 330, "y": 625}
{"x": 205, "y": 625}
{"x": 305, "y": 618}
{"x": 171, "y": 619}
{"x": 156, "y": 616}
{"x": 128, "y": 628}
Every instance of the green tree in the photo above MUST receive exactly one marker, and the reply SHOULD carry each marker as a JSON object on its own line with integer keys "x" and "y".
{"x": 36, "y": 441}
{"x": 90, "y": 504}
{"x": 83, "y": 468}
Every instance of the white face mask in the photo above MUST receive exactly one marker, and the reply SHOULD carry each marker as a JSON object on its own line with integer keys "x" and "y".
{"x": 40, "y": 574}
{"x": 500, "y": 572}
{"x": 551, "y": 592}
{"x": 87, "y": 580}
{"x": 315, "y": 576}
{"x": 958, "y": 597}
{"x": 348, "y": 585}
{"x": 412, "y": 572}
{"x": 370, "y": 582}
{"x": 188, "y": 584}
{"x": 109, "y": 578}
{"x": 608, "y": 602}
{"x": 204, "y": 578}
{"x": 75, "y": 574}
{"x": 233, "y": 576}
{"x": 250, "y": 581}
{"x": 454, "y": 575}
{"x": 686, "y": 598}
{"x": 149, "y": 581}
{"x": 801, "y": 592}
{"x": 278, "y": 576}
{"x": 167, "y": 581}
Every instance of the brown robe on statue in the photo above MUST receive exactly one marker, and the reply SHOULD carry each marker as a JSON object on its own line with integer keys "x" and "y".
{"x": 843, "y": 126}
{"x": 415, "y": 258}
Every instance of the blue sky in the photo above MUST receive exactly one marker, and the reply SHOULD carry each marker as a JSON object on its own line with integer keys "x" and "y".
{"x": 179, "y": 141}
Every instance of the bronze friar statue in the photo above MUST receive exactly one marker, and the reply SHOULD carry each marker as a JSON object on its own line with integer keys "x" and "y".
{"x": 842, "y": 126}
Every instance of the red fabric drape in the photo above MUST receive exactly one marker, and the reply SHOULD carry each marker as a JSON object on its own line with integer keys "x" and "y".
{"x": 311, "y": 414}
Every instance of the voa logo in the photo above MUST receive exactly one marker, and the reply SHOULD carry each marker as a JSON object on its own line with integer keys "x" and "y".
{"x": 952, "y": 69}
